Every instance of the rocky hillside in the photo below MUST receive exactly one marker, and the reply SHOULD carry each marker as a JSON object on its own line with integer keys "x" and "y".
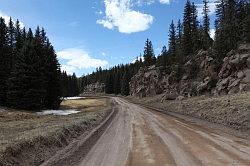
{"x": 199, "y": 77}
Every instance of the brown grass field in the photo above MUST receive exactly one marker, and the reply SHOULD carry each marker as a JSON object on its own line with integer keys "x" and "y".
{"x": 17, "y": 127}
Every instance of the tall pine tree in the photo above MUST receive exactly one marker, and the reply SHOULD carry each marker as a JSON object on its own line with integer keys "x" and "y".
{"x": 172, "y": 39}
{"x": 3, "y": 61}
{"x": 149, "y": 57}
{"x": 206, "y": 40}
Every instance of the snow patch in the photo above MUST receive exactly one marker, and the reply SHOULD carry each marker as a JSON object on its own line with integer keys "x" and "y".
{"x": 58, "y": 112}
{"x": 73, "y": 98}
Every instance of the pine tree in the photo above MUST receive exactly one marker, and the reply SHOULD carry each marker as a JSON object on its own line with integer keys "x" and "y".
{"x": 241, "y": 14}
{"x": 109, "y": 84}
{"x": 194, "y": 29}
{"x": 172, "y": 39}
{"x": 117, "y": 81}
{"x": 149, "y": 57}
{"x": 246, "y": 25}
{"x": 3, "y": 61}
{"x": 11, "y": 43}
{"x": 231, "y": 28}
{"x": 187, "y": 43}
{"x": 52, "y": 74}
{"x": 206, "y": 40}
{"x": 125, "y": 83}
{"x": 227, "y": 30}
{"x": 26, "y": 89}
{"x": 162, "y": 59}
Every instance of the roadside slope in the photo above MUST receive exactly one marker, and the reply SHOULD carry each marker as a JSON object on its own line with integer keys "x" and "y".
{"x": 230, "y": 110}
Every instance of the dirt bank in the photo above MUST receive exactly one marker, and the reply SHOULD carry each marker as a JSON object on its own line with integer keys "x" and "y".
{"x": 231, "y": 110}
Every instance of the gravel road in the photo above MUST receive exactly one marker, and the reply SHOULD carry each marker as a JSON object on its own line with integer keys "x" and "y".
{"x": 138, "y": 136}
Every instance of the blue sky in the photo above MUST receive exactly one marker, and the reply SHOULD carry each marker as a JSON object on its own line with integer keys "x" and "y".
{"x": 91, "y": 33}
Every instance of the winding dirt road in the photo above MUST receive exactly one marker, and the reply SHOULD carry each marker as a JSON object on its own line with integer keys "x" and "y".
{"x": 141, "y": 137}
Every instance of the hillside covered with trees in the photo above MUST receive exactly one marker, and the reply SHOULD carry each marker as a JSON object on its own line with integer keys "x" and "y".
{"x": 186, "y": 38}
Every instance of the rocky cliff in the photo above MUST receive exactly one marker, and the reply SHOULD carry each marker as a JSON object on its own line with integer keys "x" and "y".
{"x": 199, "y": 77}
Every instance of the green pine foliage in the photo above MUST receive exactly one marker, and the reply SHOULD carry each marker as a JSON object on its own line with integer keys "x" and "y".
{"x": 149, "y": 57}
{"x": 29, "y": 70}
{"x": 4, "y": 61}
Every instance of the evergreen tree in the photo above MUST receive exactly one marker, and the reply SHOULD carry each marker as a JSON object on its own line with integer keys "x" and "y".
{"x": 52, "y": 74}
{"x": 206, "y": 40}
{"x": 3, "y": 61}
{"x": 172, "y": 39}
{"x": 117, "y": 81}
{"x": 231, "y": 28}
{"x": 227, "y": 30}
{"x": 11, "y": 43}
{"x": 246, "y": 25}
{"x": 187, "y": 43}
{"x": 26, "y": 89}
{"x": 241, "y": 15}
{"x": 109, "y": 84}
{"x": 149, "y": 57}
{"x": 125, "y": 83}
{"x": 194, "y": 29}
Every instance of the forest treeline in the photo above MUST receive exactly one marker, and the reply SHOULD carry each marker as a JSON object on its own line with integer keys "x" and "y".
{"x": 186, "y": 38}
{"x": 30, "y": 76}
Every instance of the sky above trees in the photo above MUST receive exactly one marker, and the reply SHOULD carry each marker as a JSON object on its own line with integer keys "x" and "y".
{"x": 92, "y": 33}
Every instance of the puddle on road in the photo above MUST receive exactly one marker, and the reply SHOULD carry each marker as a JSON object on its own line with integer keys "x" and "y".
{"x": 58, "y": 112}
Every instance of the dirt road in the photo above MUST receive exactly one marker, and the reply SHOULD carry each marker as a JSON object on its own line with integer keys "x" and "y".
{"x": 140, "y": 137}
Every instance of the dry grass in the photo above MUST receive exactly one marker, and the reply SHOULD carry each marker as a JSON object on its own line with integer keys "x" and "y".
{"x": 17, "y": 126}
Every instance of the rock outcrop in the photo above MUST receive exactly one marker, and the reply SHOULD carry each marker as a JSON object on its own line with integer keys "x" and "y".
{"x": 199, "y": 77}
{"x": 94, "y": 88}
{"x": 234, "y": 75}
{"x": 148, "y": 82}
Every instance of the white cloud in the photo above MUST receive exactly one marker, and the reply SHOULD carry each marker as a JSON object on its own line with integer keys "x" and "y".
{"x": 120, "y": 15}
{"x": 68, "y": 69}
{"x": 212, "y": 8}
{"x": 212, "y": 33}
{"x": 79, "y": 59}
{"x": 165, "y": 1}
{"x": 7, "y": 19}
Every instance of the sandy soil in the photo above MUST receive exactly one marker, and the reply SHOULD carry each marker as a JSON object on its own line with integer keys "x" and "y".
{"x": 139, "y": 137}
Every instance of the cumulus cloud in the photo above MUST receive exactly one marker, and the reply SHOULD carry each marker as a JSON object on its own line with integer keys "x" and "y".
{"x": 7, "y": 19}
{"x": 79, "y": 59}
{"x": 119, "y": 14}
{"x": 212, "y": 7}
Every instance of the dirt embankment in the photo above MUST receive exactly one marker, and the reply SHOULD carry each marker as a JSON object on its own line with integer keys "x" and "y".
{"x": 230, "y": 110}
{"x": 29, "y": 139}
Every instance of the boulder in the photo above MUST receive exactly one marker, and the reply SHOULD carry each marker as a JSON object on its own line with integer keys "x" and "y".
{"x": 240, "y": 74}
{"x": 170, "y": 96}
{"x": 246, "y": 79}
